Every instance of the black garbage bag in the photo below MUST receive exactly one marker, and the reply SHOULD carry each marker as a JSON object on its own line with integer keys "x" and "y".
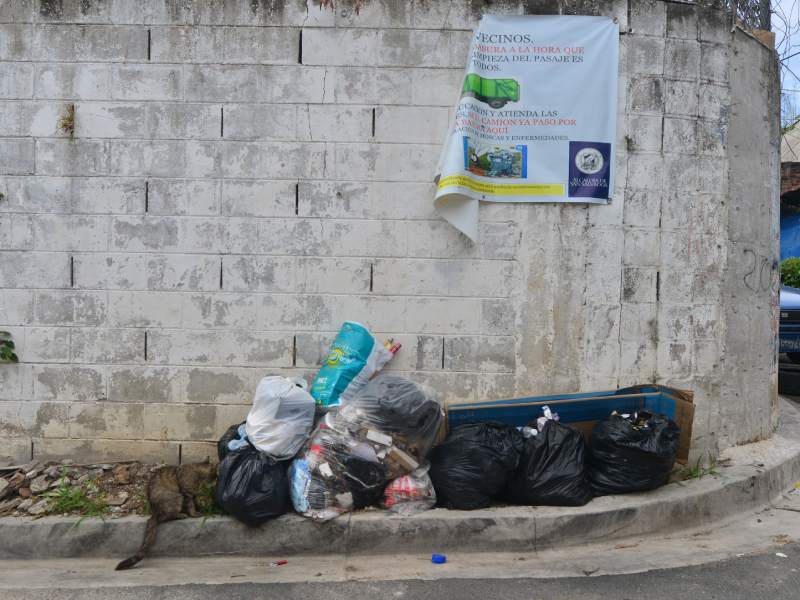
{"x": 473, "y": 465}
{"x": 230, "y": 435}
{"x": 253, "y": 487}
{"x": 628, "y": 455}
{"x": 365, "y": 480}
{"x": 552, "y": 469}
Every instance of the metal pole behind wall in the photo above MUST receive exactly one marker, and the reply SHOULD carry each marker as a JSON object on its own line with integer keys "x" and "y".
{"x": 766, "y": 15}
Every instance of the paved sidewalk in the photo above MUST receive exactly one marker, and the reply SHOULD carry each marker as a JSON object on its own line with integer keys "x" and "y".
{"x": 723, "y": 560}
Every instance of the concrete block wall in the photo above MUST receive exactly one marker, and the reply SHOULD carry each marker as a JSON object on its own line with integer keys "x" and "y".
{"x": 244, "y": 176}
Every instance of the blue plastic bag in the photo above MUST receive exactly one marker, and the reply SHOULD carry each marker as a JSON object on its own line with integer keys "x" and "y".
{"x": 353, "y": 359}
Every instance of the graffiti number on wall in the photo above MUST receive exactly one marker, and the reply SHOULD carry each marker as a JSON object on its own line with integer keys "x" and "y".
{"x": 758, "y": 272}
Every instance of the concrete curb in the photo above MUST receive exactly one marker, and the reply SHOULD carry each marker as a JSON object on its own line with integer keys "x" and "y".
{"x": 752, "y": 476}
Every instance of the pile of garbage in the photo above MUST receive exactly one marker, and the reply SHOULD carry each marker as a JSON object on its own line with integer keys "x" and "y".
{"x": 548, "y": 463}
{"x": 356, "y": 438}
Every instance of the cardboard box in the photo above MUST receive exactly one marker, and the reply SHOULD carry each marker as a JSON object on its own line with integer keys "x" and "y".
{"x": 583, "y": 410}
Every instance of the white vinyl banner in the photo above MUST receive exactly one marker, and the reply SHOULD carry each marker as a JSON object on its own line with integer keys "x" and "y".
{"x": 536, "y": 121}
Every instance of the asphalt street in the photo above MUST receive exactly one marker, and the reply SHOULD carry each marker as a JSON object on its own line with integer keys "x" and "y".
{"x": 763, "y": 575}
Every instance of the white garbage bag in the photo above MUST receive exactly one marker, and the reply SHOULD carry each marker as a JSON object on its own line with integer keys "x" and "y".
{"x": 281, "y": 418}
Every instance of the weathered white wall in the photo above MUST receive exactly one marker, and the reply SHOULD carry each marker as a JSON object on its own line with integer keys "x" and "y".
{"x": 245, "y": 175}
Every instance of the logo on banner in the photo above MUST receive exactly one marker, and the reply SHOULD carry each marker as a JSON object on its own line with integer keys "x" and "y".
{"x": 589, "y": 161}
{"x": 589, "y": 169}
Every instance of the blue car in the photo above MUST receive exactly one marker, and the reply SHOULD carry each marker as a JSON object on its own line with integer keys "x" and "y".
{"x": 790, "y": 323}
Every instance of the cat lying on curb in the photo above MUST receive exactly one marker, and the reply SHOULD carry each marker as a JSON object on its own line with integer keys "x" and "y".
{"x": 173, "y": 494}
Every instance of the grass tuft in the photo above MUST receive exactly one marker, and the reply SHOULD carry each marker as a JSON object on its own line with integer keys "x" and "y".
{"x": 207, "y": 502}
{"x": 67, "y": 121}
{"x": 83, "y": 500}
{"x": 698, "y": 471}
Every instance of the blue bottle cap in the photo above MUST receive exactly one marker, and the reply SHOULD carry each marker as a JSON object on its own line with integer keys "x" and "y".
{"x": 438, "y": 559}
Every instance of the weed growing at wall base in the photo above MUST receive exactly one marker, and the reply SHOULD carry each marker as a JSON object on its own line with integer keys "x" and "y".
{"x": 698, "y": 471}
{"x": 84, "y": 500}
{"x": 207, "y": 502}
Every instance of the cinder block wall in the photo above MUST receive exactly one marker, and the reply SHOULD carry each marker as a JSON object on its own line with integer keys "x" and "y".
{"x": 244, "y": 176}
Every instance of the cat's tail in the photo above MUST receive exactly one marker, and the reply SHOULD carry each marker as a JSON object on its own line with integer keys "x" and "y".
{"x": 147, "y": 542}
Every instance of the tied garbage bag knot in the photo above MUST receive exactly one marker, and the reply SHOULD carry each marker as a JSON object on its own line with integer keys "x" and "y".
{"x": 234, "y": 438}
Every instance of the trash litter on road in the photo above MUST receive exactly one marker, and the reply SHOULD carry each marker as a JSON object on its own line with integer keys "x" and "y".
{"x": 279, "y": 563}
{"x": 438, "y": 559}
